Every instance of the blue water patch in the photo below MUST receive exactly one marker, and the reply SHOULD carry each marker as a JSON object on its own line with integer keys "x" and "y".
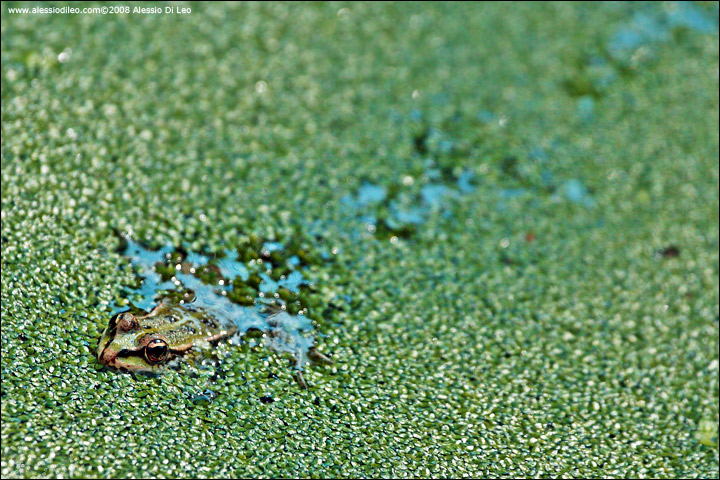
{"x": 293, "y": 281}
{"x": 433, "y": 173}
{"x": 464, "y": 181}
{"x": 586, "y": 108}
{"x": 689, "y": 15}
{"x": 547, "y": 178}
{"x": 435, "y": 194}
{"x": 513, "y": 192}
{"x": 144, "y": 260}
{"x": 624, "y": 42}
{"x": 291, "y": 334}
{"x": 576, "y": 192}
{"x": 655, "y": 25}
{"x": 538, "y": 153}
{"x": 446, "y": 146}
{"x": 268, "y": 285}
{"x": 602, "y": 72}
{"x": 149, "y": 289}
{"x": 271, "y": 247}
{"x": 438, "y": 142}
{"x": 395, "y": 210}
{"x": 195, "y": 258}
{"x": 209, "y": 300}
{"x": 231, "y": 267}
{"x": 367, "y": 194}
{"x": 486, "y": 116}
{"x": 407, "y": 215}
{"x": 408, "y": 207}
{"x": 401, "y": 217}
{"x": 652, "y": 27}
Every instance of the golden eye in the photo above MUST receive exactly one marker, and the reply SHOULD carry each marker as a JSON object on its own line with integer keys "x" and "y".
{"x": 156, "y": 351}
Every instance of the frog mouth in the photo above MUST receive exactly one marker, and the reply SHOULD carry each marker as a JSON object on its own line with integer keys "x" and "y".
{"x": 103, "y": 344}
{"x": 131, "y": 361}
{"x": 109, "y": 356}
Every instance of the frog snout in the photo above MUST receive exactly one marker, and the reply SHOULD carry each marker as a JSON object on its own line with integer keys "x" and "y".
{"x": 106, "y": 355}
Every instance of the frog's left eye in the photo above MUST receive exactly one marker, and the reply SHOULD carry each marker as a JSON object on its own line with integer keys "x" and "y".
{"x": 156, "y": 351}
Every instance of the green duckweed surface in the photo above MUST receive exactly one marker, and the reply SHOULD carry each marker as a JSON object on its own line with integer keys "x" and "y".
{"x": 520, "y": 201}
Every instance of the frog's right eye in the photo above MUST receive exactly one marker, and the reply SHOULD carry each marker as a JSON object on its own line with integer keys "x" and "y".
{"x": 126, "y": 322}
{"x": 156, "y": 351}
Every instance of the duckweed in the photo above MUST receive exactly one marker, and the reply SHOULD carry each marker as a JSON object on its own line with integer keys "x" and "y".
{"x": 486, "y": 334}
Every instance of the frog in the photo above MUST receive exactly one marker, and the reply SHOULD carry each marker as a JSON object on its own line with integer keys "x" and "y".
{"x": 145, "y": 344}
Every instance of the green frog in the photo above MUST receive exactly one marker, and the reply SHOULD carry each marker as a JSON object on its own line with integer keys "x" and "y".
{"x": 146, "y": 343}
